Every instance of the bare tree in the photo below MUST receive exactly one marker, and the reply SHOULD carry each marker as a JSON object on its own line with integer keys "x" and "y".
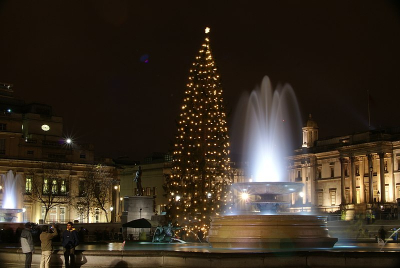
{"x": 49, "y": 186}
{"x": 95, "y": 192}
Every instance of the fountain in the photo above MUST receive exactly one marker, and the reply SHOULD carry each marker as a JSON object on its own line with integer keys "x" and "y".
{"x": 266, "y": 141}
{"x": 12, "y": 196}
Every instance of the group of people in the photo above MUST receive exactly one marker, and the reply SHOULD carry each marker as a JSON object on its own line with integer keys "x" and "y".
{"x": 69, "y": 241}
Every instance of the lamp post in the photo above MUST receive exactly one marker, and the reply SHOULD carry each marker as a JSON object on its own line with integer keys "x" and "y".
{"x": 379, "y": 206}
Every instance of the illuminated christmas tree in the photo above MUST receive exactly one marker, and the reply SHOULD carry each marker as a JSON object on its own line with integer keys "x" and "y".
{"x": 198, "y": 187}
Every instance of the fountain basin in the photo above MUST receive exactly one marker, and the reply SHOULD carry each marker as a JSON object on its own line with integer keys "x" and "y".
{"x": 9, "y": 213}
{"x": 270, "y": 231}
{"x": 269, "y": 188}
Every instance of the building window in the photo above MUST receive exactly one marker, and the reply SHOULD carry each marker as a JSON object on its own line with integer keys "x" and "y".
{"x": 332, "y": 172}
{"x": 62, "y": 214}
{"x": 397, "y": 191}
{"x": 357, "y": 170}
{"x": 53, "y": 215}
{"x": 83, "y": 156}
{"x": 45, "y": 186}
{"x": 148, "y": 191}
{"x": 347, "y": 195}
{"x": 54, "y": 187}
{"x": 332, "y": 194}
{"x": 320, "y": 198}
{"x": 63, "y": 187}
{"x": 29, "y": 152}
{"x": 97, "y": 215}
{"x": 3, "y": 127}
{"x": 28, "y": 185}
{"x": 2, "y": 146}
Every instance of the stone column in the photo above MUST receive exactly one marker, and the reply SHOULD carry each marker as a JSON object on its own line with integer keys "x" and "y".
{"x": 382, "y": 176}
{"x": 313, "y": 180}
{"x": 353, "y": 180}
{"x": 370, "y": 179}
{"x": 342, "y": 180}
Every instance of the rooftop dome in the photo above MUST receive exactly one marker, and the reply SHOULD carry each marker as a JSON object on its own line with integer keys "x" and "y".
{"x": 311, "y": 122}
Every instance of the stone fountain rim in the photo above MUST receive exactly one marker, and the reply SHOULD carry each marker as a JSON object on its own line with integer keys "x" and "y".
{"x": 272, "y": 188}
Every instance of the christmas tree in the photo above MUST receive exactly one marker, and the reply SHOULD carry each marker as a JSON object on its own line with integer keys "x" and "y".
{"x": 198, "y": 187}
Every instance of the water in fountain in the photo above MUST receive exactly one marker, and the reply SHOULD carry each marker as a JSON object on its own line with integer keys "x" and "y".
{"x": 266, "y": 124}
{"x": 268, "y": 120}
{"x": 12, "y": 195}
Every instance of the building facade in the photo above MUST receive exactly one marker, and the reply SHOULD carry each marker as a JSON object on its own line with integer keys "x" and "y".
{"x": 357, "y": 173}
{"x": 51, "y": 167}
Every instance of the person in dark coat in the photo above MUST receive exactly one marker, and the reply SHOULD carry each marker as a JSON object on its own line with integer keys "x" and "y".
{"x": 70, "y": 241}
{"x": 382, "y": 233}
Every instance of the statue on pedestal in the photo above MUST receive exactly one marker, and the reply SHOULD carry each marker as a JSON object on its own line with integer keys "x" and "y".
{"x": 138, "y": 180}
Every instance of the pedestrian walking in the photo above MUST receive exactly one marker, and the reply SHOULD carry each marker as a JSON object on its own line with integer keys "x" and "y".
{"x": 70, "y": 241}
{"x": 27, "y": 244}
{"x": 47, "y": 245}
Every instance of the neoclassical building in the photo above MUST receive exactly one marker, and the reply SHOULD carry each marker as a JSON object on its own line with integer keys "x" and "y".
{"x": 354, "y": 172}
{"x": 33, "y": 150}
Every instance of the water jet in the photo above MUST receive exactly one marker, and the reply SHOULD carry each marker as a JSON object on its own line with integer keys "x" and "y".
{"x": 265, "y": 117}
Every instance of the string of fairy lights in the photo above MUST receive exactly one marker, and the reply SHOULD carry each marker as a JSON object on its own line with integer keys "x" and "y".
{"x": 198, "y": 188}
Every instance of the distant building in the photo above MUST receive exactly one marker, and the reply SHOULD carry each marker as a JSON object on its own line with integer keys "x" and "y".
{"x": 357, "y": 173}
{"x": 32, "y": 146}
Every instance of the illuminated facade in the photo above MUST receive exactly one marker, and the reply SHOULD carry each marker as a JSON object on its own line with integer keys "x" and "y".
{"x": 351, "y": 173}
{"x": 33, "y": 147}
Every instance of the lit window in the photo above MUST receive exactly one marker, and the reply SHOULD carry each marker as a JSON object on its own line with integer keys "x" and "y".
{"x": 63, "y": 187}
{"x": 45, "y": 186}
{"x": 28, "y": 185}
{"x": 54, "y": 187}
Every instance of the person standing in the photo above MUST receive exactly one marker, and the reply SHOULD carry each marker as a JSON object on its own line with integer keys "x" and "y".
{"x": 382, "y": 234}
{"x": 47, "y": 247}
{"x": 70, "y": 241}
{"x": 27, "y": 244}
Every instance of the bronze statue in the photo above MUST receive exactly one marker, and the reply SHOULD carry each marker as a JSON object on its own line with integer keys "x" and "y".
{"x": 138, "y": 180}
{"x": 166, "y": 234}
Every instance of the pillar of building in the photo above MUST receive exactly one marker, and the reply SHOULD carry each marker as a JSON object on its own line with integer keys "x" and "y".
{"x": 370, "y": 178}
{"x": 382, "y": 176}
{"x": 353, "y": 180}
{"x": 342, "y": 180}
{"x": 313, "y": 179}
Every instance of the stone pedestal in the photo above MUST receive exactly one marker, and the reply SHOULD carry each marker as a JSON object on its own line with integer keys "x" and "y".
{"x": 136, "y": 207}
{"x": 270, "y": 231}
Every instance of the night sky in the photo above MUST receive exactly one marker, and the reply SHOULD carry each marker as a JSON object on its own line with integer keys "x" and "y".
{"x": 116, "y": 70}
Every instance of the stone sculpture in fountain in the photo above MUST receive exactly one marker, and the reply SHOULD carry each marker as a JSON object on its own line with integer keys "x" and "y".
{"x": 12, "y": 197}
{"x": 266, "y": 142}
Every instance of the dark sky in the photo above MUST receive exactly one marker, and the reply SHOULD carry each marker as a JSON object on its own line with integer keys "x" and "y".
{"x": 87, "y": 59}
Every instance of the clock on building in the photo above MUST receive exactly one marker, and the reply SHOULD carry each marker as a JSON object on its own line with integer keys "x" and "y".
{"x": 45, "y": 127}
